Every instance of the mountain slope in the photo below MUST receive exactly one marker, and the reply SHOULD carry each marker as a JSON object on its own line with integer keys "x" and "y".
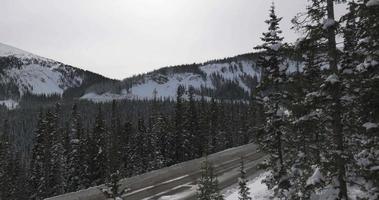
{"x": 231, "y": 78}
{"x": 24, "y": 73}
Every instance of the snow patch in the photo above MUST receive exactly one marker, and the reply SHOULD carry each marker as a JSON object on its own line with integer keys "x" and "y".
{"x": 316, "y": 177}
{"x": 7, "y": 50}
{"x": 258, "y": 190}
{"x": 370, "y": 125}
{"x": 332, "y": 79}
{"x": 372, "y": 3}
{"x": 328, "y": 23}
{"x": 276, "y": 46}
{"x": 10, "y": 104}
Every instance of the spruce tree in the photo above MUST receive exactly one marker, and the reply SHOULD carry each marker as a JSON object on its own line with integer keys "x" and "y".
{"x": 115, "y": 139}
{"x": 244, "y": 193}
{"x": 179, "y": 126}
{"x": 6, "y": 160}
{"x": 38, "y": 179}
{"x": 139, "y": 159}
{"x": 99, "y": 171}
{"x": 75, "y": 168}
{"x": 113, "y": 190}
{"x": 366, "y": 79}
{"x": 213, "y": 127}
{"x": 56, "y": 178}
{"x": 208, "y": 184}
{"x": 275, "y": 97}
{"x": 191, "y": 126}
{"x": 158, "y": 139}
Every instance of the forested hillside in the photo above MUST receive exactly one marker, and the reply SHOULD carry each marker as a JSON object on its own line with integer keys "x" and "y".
{"x": 313, "y": 107}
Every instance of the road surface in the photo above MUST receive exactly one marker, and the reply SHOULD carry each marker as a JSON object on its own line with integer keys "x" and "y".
{"x": 179, "y": 181}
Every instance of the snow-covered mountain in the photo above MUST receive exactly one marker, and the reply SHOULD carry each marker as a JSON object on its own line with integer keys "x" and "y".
{"x": 24, "y": 73}
{"x": 208, "y": 78}
{"x": 230, "y": 78}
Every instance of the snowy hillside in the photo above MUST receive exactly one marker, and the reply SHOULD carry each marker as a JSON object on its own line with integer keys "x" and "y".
{"x": 22, "y": 72}
{"x": 234, "y": 76}
{"x": 163, "y": 84}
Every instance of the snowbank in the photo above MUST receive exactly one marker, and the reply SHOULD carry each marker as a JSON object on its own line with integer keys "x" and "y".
{"x": 258, "y": 190}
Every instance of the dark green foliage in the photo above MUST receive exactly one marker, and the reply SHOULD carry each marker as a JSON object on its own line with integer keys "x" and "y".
{"x": 244, "y": 191}
{"x": 208, "y": 184}
{"x": 113, "y": 189}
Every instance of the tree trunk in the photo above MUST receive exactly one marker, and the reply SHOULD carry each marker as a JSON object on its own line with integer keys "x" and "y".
{"x": 336, "y": 108}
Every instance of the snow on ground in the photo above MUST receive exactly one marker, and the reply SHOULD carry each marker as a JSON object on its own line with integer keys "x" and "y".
{"x": 102, "y": 98}
{"x": 229, "y": 71}
{"x": 258, "y": 190}
{"x": 167, "y": 89}
{"x": 6, "y": 50}
{"x": 38, "y": 79}
{"x": 10, "y": 104}
{"x": 36, "y": 74}
{"x": 233, "y": 71}
{"x": 370, "y": 125}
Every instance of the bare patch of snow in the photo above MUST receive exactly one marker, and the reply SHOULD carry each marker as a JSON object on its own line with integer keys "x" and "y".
{"x": 258, "y": 190}
{"x": 370, "y": 125}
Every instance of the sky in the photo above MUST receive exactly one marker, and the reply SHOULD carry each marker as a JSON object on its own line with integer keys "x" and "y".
{"x": 121, "y": 38}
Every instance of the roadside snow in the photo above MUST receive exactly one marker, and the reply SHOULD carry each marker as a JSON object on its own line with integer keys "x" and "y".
{"x": 258, "y": 190}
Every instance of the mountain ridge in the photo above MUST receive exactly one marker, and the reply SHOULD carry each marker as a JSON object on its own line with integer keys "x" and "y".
{"x": 23, "y": 73}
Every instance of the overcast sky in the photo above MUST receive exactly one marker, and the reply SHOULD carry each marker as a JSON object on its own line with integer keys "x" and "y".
{"x": 119, "y": 38}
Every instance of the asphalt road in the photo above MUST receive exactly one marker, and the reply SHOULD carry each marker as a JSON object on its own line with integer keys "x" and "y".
{"x": 179, "y": 181}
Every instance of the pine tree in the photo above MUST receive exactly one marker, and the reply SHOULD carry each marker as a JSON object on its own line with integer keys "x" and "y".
{"x": 115, "y": 139}
{"x": 126, "y": 149}
{"x": 18, "y": 180}
{"x": 366, "y": 84}
{"x": 100, "y": 170}
{"x": 75, "y": 168}
{"x": 191, "y": 126}
{"x": 179, "y": 126}
{"x": 244, "y": 193}
{"x": 274, "y": 96}
{"x": 56, "y": 178}
{"x": 139, "y": 158}
{"x": 6, "y": 160}
{"x": 333, "y": 109}
{"x": 213, "y": 127}
{"x": 38, "y": 179}
{"x": 208, "y": 184}
{"x": 158, "y": 139}
{"x": 113, "y": 187}
{"x": 202, "y": 138}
